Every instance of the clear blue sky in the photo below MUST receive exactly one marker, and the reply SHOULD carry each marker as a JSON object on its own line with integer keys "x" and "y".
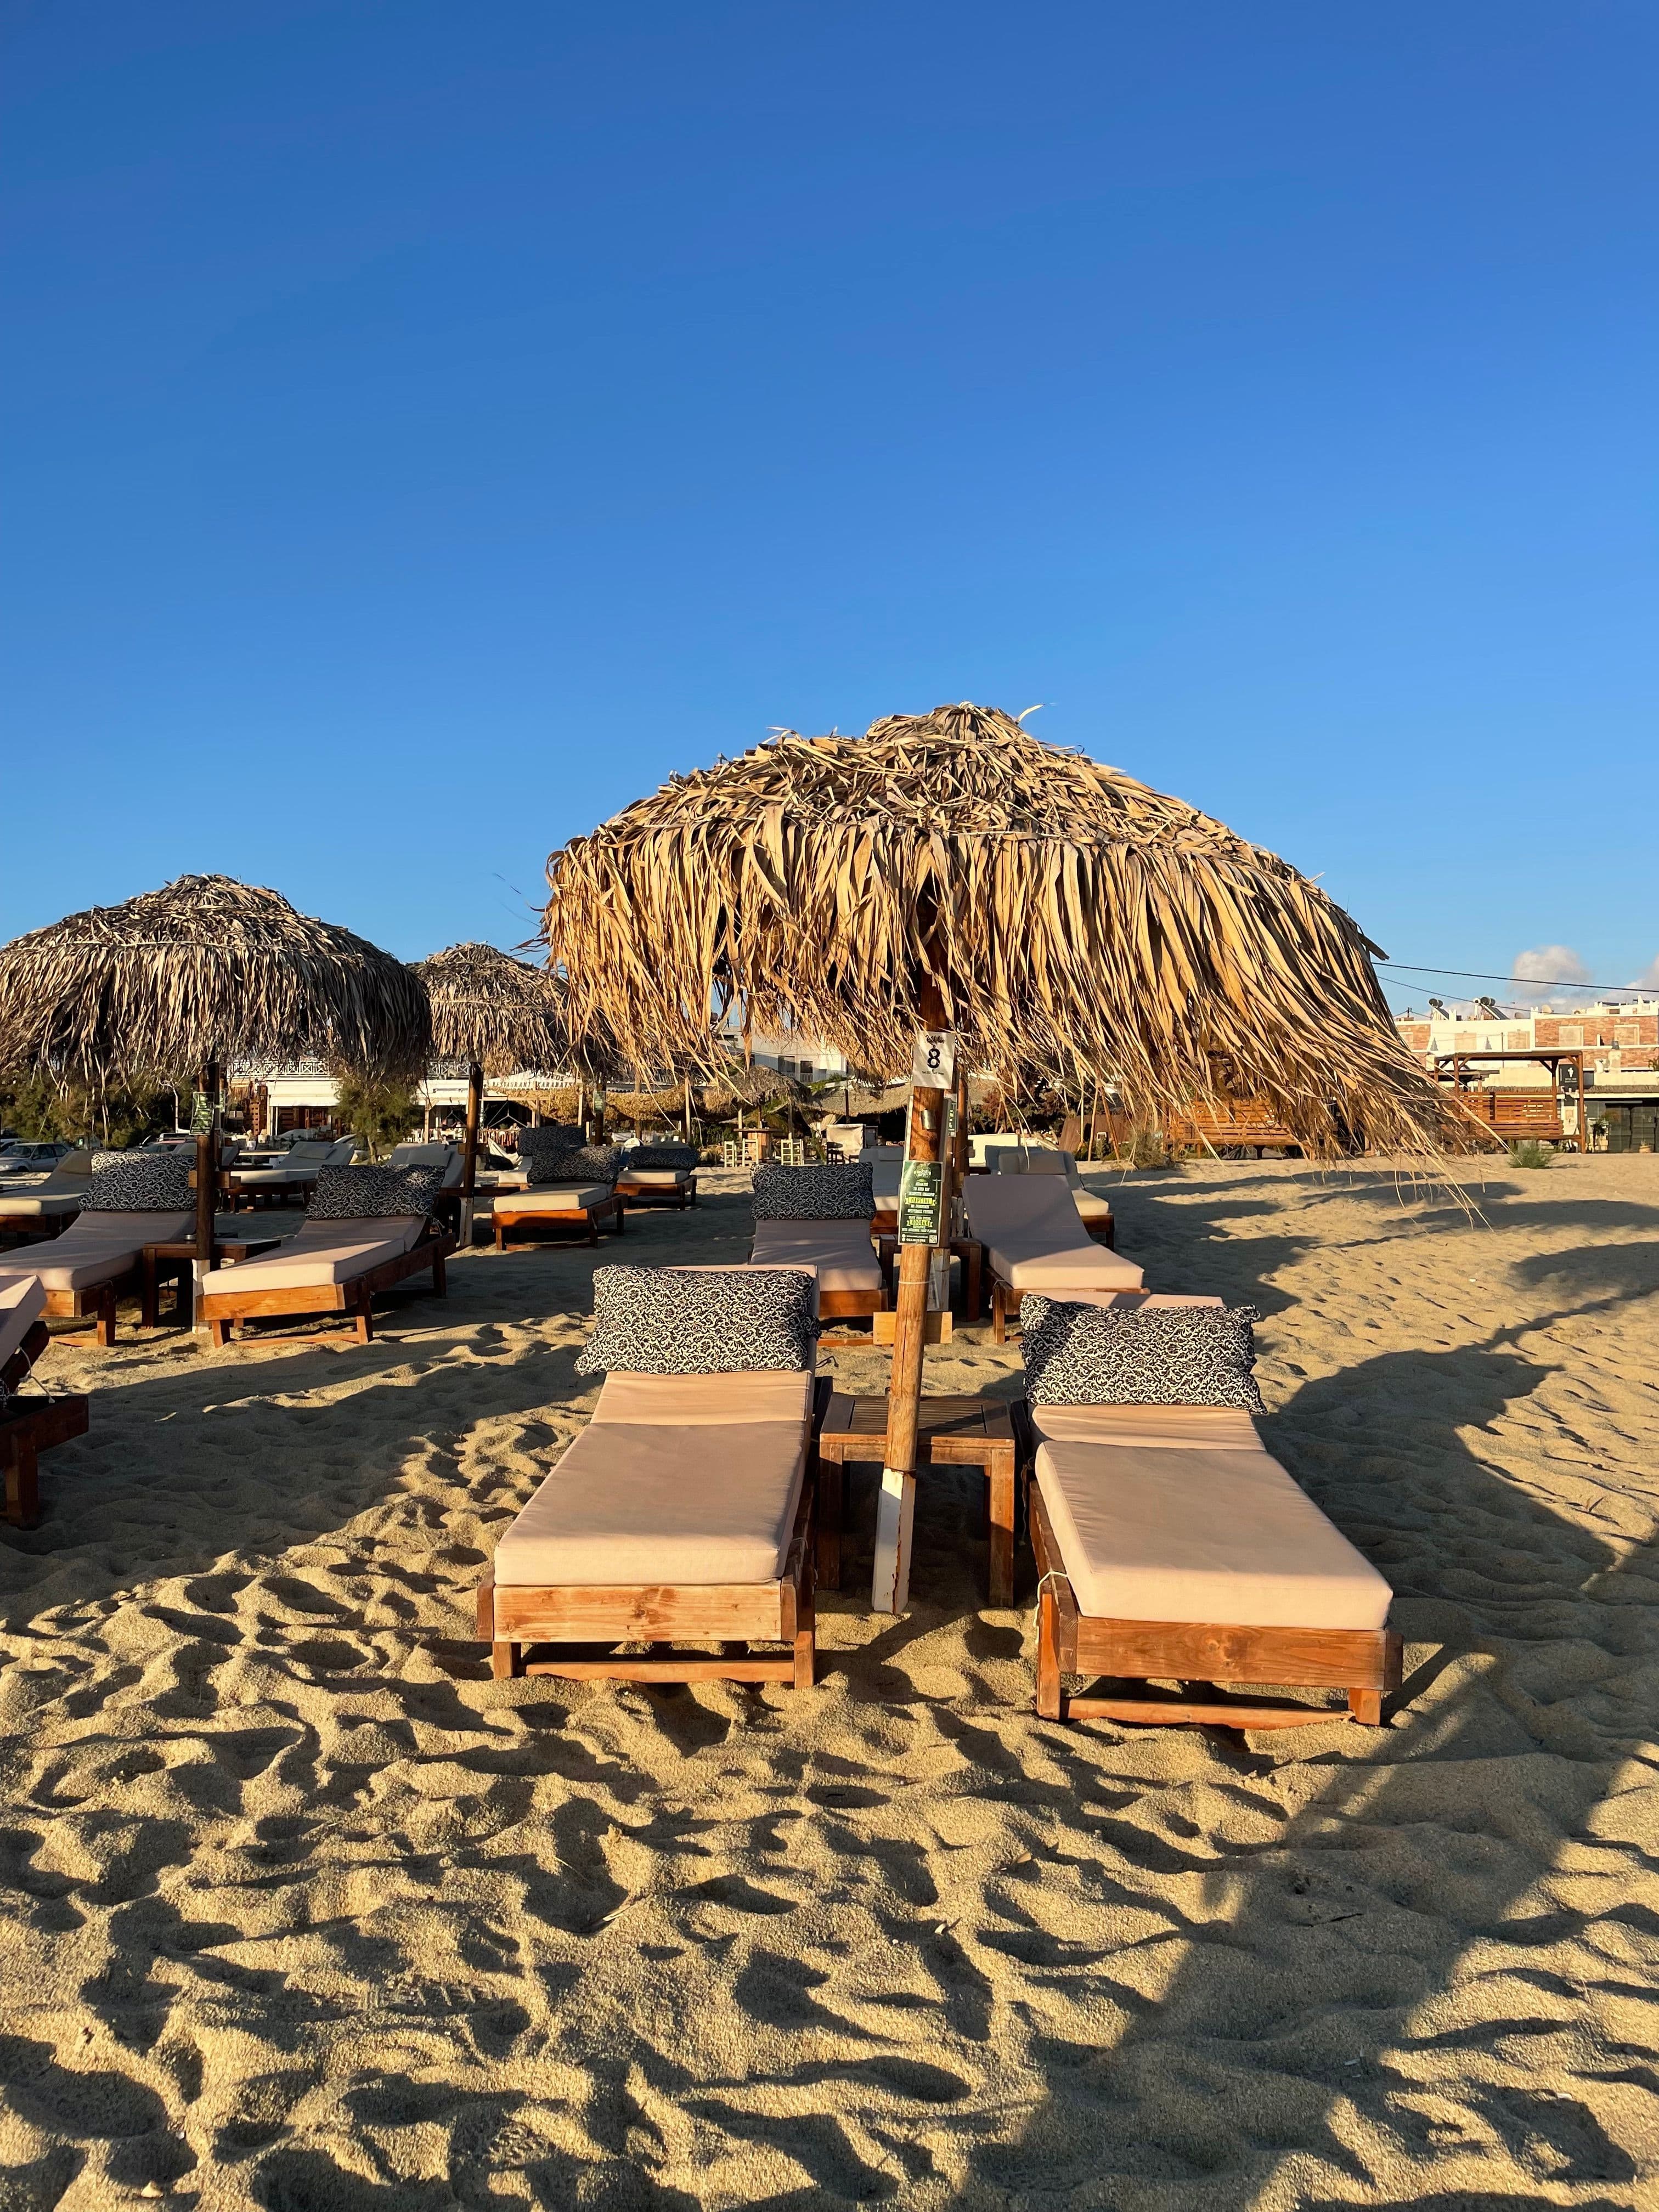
{"x": 427, "y": 426}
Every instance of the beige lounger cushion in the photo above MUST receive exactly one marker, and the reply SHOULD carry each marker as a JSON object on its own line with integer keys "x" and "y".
{"x": 41, "y": 1204}
{"x": 22, "y": 1302}
{"x": 323, "y": 1252}
{"x": 97, "y": 1249}
{"x": 839, "y": 1253}
{"x": 564, "y": 1198}
{"x": 657, "y": 1496}
{"x": 656, "y": 1178}
{"x": 1035, "y": 1238}
{"x": 1211, "y": 1428}
{"x": 1162, "y": 1533}
{"x": 1089, "y": 1205}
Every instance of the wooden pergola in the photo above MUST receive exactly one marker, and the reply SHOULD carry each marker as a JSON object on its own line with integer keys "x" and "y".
{"x": 1510, "y": 1126}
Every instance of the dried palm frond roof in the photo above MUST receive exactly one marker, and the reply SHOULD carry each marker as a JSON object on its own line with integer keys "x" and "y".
{"x": 206, "y": 969}
{"x": 1077, "y": 925}
{"x": 492, "y": 1011}
{"x": 752, "y": 1084}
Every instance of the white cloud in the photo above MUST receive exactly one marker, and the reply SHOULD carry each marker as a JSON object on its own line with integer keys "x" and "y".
{"x": 1541, "y": 974}
{"x": 1649, "y": 978}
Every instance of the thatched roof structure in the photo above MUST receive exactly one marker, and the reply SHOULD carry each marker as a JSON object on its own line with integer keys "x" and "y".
{"x": 205, "y": 970}
{"x": 492, "y": 1011}
{"x": 752, "y": 1085}
{"x": 1077, "y": 925}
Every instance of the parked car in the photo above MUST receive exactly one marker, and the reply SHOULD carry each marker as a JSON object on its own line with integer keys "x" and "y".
{"x": 21, "y": 1158}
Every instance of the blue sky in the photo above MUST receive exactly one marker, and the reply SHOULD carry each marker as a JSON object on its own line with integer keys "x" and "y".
{"x": 431, "y": 426}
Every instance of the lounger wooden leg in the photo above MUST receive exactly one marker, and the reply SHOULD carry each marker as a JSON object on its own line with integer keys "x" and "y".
{"x": 805, "y": 1637}
{"x": 999, "y": 1488}
{"x": 998, "y": 1313}
{"x": 1110, "y": 1238}
{"x": 220, "y": 1331}
{"x": 440, "y": 1280}
{"x": 831, "y": 1480}
{"x": 501, "y": 1235}
{"x": 1366, "y": 1706}
{"x": 365, "y": 1323}
{"x": 106, "y": 1317}
{"x": 149, "y": 1294}
{"x": 23, "y": 1484}
{"x": 1050, "y": 1697}
{"x": 505, "y": 1661}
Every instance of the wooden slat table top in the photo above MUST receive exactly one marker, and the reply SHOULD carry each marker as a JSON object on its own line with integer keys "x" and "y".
{"x": 951, "y": 1431}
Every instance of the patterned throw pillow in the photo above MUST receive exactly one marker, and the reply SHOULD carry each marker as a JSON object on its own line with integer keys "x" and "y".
{"x": 141, "y": 1182}
{"x": 1078, "y": 1355}
{"x": 578, "y": 1163}
{"x": 824, "y": 1193}
{"x": 700, "y": 1320}
{"x": 362, "y": 1194}
{"x": 543, "y": 1142}
{"x": 661, "y": 1156}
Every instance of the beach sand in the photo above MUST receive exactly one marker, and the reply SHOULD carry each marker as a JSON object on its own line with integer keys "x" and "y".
{"x": 302, "y": 1910}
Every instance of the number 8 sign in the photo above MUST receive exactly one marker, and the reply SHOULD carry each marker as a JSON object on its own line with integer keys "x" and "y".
{"x": 934, "y": 1064}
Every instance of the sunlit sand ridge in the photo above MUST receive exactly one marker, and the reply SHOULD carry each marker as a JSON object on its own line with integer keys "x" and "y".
{"x": 302, "y": 1910}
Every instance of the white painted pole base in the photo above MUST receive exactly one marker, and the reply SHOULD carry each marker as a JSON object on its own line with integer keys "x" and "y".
{"x": 896, "y": 1514}
{"x": 198, "y": 1318}
{"x": 464, "y": 1238}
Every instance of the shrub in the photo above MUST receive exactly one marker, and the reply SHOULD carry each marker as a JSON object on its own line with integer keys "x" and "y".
{"x": 1147, "y": 1147}
{"x": 1530, "y": 1152}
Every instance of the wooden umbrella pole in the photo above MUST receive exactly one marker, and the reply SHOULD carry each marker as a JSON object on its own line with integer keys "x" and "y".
{"x": 475, "y": 1080}
{"x": 207, "y": 1194}
{"x": 895, "y": 1510}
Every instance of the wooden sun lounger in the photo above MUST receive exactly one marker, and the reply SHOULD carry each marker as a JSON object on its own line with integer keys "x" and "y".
{"x": 676, "y": 1186}
{"x": 29, "y": 1426}
{"x": 123, "y": 1238}
{"x": 1035, "y": 1239}
{"x": 225, "y": 1307}
{"x": 516, "y": 1215}
{"x": 831, "y": 1249}
{"x": 1200, "y": 1655}
{"x": 515, "y": 1616}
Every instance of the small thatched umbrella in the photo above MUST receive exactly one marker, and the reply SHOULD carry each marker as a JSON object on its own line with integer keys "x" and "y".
{"x": 499, "y": 1015}
{"x": 950, "y": 871}
{"x": 189, "y": 977}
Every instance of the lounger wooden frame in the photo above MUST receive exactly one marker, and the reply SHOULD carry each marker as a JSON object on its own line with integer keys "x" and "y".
{"x": 223, "y": 1311}
{"x": 97, "y": 1303}
{"x": 680, "y": 1194}
{"x": 608, "y": 1210}
{"x": 29, "y": 1426}
{"x": 512, "y": 1615}
{"x": 1199, "y": 1654}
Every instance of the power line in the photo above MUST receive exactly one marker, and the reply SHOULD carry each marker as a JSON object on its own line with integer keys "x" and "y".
{"x": 1477, "y": 976}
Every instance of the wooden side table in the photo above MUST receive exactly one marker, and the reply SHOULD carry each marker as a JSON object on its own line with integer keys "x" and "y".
{"x": 968, "y": 1249}
{"x": 161, "y": 1261}
{"x": 952, "y": 1432}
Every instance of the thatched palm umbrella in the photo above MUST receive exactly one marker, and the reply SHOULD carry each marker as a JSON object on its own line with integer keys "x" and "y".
{"x": 950, "y": 871}
{"x": 196, "y": 974}
{"x": 497, "y": 1014}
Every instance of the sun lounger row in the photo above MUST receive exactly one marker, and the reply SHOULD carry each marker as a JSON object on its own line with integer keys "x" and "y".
{"x": 1170, "y": 1547}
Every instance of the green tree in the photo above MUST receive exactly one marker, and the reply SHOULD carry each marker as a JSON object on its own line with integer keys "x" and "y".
{"x": 119, "y": 1116}
{"x": 380, "y": 1115}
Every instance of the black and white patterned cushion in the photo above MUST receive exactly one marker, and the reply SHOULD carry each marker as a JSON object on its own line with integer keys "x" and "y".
{"x": 1079, "y": 1355}
{"x": 816, "y": 1193}
{"x": 360, "y": 1194}
{"x": 578, "y": 1163}
{"x": 542, "y": 1142}
{"x": 141, "y": 1182}
{"x": 700, "y": 1320}
{"x": 661, "y": 1156}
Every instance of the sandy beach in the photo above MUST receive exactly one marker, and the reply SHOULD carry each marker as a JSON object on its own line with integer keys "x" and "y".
{"x": 302, "y": 1910}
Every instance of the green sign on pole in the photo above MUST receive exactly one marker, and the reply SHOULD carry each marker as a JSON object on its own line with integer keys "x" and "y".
{"x": 921, "y": 1202}
{"x": 201, "y": 1114}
